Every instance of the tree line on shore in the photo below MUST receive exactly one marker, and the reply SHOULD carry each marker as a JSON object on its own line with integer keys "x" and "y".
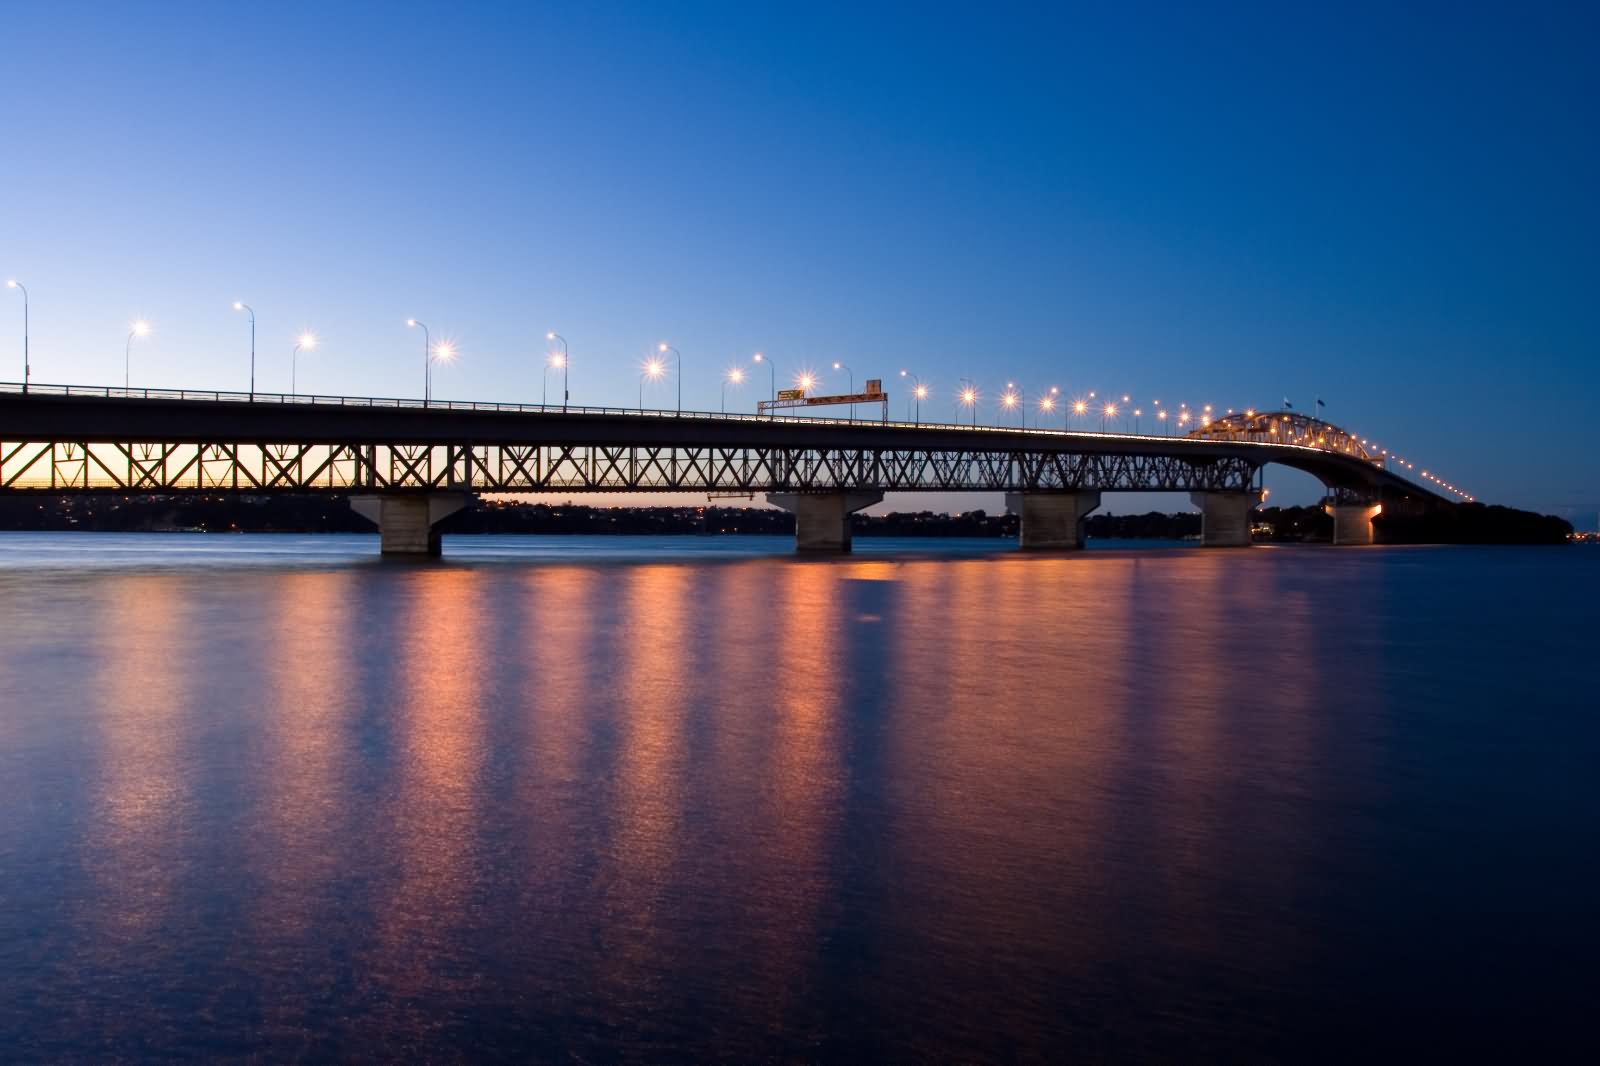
{"x": 1453, "y": 524}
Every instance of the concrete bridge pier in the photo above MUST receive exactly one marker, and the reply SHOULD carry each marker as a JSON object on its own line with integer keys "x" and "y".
{"x": 1225, "y": 517}
{"x": 1352, "y": 522}
{"x": 1051, "y": 521}
{"x": 822, "y": 519}
{"x": 408, "y": 523}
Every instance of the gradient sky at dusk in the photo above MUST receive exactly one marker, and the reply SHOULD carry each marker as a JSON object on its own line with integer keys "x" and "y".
{"x": 1392, "y": 209}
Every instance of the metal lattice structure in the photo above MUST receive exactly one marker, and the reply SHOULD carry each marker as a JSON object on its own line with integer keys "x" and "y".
{"x": 165, "y": 467}
{"x": 77, "y": 440}
{"x": 1285, "y": 427}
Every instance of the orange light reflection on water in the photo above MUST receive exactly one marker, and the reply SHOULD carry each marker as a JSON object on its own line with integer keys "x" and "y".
{"x": 638, "y": 862}
{"x": 439, "y": 726}
{"x": 304, "y": 806}
{"x": 135, "y": 840}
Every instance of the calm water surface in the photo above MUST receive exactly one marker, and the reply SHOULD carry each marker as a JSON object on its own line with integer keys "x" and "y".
{"x": 594, "y": 800}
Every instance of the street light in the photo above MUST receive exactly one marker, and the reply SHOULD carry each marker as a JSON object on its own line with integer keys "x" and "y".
{"x": 26, "y": 368}
{"x": 840, "y": 366}
{"x": 919, "y": 392}
{"x": 1106, "y": 413}
{"x": 306, "y": 341}
{"x": 772, "y": 372}
{"x": 442, "y": 352}
{"x": 968, "y": 396}
{"x": 1011, "y": 400}
{"x": 563, "y": 364}
{"x": 237, "y": 306}
{"x": 734, "y": 376}
{"x": 664, "y": 348}
{"x": 653, "y": 369}
{"x": 140, "y": 328}
{"x": 427, "y": 357}
{"x": 1047, "y": 406}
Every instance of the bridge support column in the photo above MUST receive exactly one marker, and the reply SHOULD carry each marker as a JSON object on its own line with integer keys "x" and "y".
{"x": 822, "y": 519}
{"x": 408, "y": 523}
{"x": 1352, "y": 522}
{"x": 1051, "y": 521}
{"x": 1225, "y": 517}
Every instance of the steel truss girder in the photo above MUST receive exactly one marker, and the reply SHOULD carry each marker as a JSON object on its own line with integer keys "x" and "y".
{"x": 1344, "y": 495}
{"x": 298, "y": 467}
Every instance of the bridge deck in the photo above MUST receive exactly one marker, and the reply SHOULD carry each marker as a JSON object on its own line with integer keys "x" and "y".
{"x": 58, "y": 438}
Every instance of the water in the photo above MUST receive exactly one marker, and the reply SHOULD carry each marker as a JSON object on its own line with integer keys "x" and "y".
{"x": 679, "y": 800}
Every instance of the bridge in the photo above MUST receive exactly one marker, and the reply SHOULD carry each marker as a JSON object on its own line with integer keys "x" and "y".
{"x": 408, "y": 464}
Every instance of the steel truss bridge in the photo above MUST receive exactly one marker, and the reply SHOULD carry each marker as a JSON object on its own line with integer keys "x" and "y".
{"x": 81, "y": 440}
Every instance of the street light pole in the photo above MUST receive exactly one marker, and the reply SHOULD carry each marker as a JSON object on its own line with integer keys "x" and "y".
{"x": 734, "y": 376}
{"x": 772, "y": 373}
{"x": 669, "y": 348}
{"x": 237, "y": 306}
{"x": 427, "y": 360}
{"x": 307, "y": 341}
{"x": 840, "y": 366}
{"x": 26, "y": 366}
{"x": 919, "y": 392}
{"x": 139, "y": 329}
{"x": 565, "y": 363}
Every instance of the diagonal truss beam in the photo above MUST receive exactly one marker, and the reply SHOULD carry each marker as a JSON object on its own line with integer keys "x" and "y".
{"x": 298, "y": 467}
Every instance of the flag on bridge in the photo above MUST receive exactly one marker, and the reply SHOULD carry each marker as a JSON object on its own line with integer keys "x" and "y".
{"x": 1321, "y": 404}
{"x": 1287, "y": 406}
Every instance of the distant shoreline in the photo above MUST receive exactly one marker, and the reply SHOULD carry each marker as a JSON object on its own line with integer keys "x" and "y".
{"x": 1455, "y": 524}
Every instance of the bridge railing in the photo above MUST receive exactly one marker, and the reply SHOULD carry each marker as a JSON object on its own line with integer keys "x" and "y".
{"x": 318, "y": 400}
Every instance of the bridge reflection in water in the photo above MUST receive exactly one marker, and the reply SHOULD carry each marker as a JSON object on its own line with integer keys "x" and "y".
{"x": 741, "y": 805}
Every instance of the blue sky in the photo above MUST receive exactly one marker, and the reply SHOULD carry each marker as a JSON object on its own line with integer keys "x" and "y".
{"x": 1393, "y": 210}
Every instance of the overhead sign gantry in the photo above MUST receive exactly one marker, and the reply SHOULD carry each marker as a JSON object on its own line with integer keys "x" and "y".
{"x": 788, "y": 398}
